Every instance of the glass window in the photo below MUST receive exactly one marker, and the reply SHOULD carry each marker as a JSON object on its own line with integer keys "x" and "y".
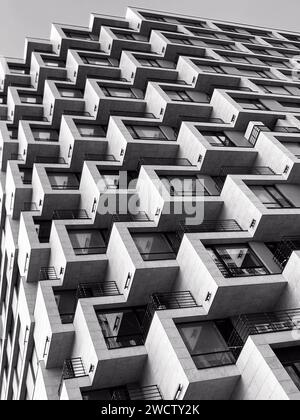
{"x": 97, "y": 61}
{"x": 118, "y": 92}
{"x": 218, "y": 139}
{"x": 53, "y": 63}
{"x": 63, "y": 181}
{"x": 211, "y": 69}
{"x": 236, "y": 260}
{"x": 180, "y": 95}
{"x": 185, "y": 186}
{"x": 30, "y": 99}
{"x": 290, "y": 359}
{"x": 206, "y": 344}
{"x": 89, "y": 130}
{"x": 86, "y": 242}
{"x": 123, "y": 327}
{"x": 145, "y": 132}
{"x": 271, "y": 197}
{"x": 155, "y": 246}
{"x": 70, "y": 93}
{"x": 43, "y": 134}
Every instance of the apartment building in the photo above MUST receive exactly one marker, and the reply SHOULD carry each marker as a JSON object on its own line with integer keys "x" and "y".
{"x": 150, "y": 212}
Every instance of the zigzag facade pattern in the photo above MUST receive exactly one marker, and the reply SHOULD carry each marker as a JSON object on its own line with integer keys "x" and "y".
{"x": 147, "y": 306}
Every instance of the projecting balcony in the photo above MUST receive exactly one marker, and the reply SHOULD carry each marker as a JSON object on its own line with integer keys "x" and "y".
{"x": 283, "y": 250}
{"x": 267, "y": 322}
{"x": 72, "y": 368}
{"x": 67, "y": 299}
{"x": 124, "y": 393}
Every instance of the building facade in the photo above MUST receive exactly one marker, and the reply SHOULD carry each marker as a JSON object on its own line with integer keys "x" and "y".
{"x": 150, "y": 212}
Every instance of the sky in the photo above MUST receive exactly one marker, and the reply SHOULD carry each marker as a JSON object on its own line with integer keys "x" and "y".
{"x": 21, "y": 18}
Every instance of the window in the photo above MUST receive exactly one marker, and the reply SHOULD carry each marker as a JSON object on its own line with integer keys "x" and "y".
{"x": 97, "y": 61}
{"x": 30, "y": 99}
{"x": 290, "y": 359}
{"x": 147, "y": 132}
{"x": 279, "y": 90}
{"x": 206, "y": 343}
{"x": 218, "y": 139}
{"x": 183, "y": 41}
{"x": 122, "y": 327}
{"x": 41, "y": 134}
{"x": 156, "y": 246}
{"x": 87, "y": 242}
{"x": 283, "y": 129}
{"x": 64, "y": 181}
{"x": 179, "y": 95}
{"x": 185, "y": 186}
{"x": 119, "y": 92}
{"x": 271, "y": 197}
{"x": 251, "y": 104}
{"x": 236, "y": 260}
{"x": 211, "y": 69}
{"x": 70, "y": 93}
{"x": 66, "y": 303}
{"x": 50, "y": 62}
{"x": 86, "y": 36}
{"x": 89, "y": 130}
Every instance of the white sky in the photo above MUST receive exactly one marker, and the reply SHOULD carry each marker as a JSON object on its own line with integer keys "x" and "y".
{"x": 20, "y": 18}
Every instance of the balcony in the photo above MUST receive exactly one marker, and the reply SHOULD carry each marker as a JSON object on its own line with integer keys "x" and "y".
{"x": 124, "y": 393}
{"x": 226, "y": 225}
{"x": 283, "y": 250}
{"x": 72, "y": 368}
{"x": 87, "y": 290}
{"x": 164, "y": 161}
{"x": 48, "y": 273}
{"x": 70, "y": 214}
{"x": 267, "y": 322}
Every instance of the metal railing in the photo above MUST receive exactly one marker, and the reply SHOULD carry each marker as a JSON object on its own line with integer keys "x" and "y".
{"x": 165, "y": 301}
{"x": 244, "y": 170}
{"x": 86, "y": 290}
{"x": 267, "y": 322}
{"x": 70, "y": 214}
{"x": 136, "y": 392}
{"x": 164, "y": 161}
{"x": 100, "y": 157}
{"x": 285, "y": 249}
{"x": 48, "y": 273}
{"x": 72, "y": 368}
{"x": 241, "y": 271}
{"x": 126, "y": 340}
{"x": 226, "y": 225}
{"x": 90, "y": 250}
{"x": 217, "y": 358}
{"x": 172, "y": 300}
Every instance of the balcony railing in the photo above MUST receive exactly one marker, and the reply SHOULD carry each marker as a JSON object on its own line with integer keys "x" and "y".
{"x": 49, "y": 159}
{"x": 244, "y": 170}
{"x": 164, "y": 161}
{"x": 241, "y": 271}
{"x": 165, "y": 301}
{"x": 136, "y": 392}
{"x": 121, "y": 341}
{"x": 100, "y": 157}
{"x": 228, "y": 225}
{"x": 285, "y": 249}
{"x": 72, "y": 368}
{"x": 70, "y": 214}
{"x": 173, "y": 300}
{"x": 90, "y": 250}
{"x": 65, "y": 186}
{"x": 267, "y": 322}
{"x": 48, "y": 273}
{"x": 86, "y": 290}
{"x": 217, "y": 358}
